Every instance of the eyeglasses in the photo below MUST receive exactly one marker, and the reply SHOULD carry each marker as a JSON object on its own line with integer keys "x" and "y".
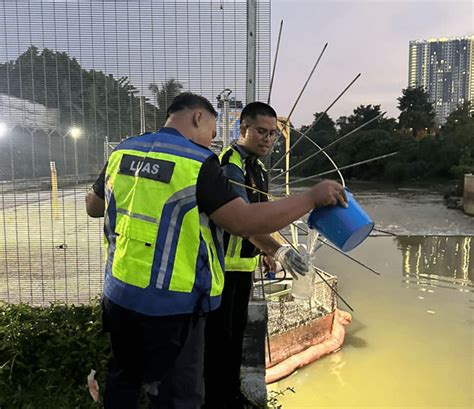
{"x": 264, "y": 133}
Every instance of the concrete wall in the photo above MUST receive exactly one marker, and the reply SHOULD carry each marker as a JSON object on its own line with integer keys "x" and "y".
{"x": 468, "y": 197}
{"x": 253, "y": 362}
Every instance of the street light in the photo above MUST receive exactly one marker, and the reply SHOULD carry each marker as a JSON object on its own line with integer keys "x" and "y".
{"x": 75, "y": 133}
{"x": 3, "y": 129}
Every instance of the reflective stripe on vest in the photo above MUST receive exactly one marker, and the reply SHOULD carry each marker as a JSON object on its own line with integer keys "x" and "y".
{"x": 163, "y": 257}
{"x": 233, "y": 259}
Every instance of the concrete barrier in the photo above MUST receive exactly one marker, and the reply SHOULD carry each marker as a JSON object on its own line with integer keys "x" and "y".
{"x": 253, "y": 363}
{"x": 468, "y": 197}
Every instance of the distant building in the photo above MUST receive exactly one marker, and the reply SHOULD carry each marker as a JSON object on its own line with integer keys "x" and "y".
{"x": 444, "y": 67}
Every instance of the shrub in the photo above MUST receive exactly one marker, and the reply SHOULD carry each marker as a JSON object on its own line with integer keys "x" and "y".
{"x": 46, "y": 354}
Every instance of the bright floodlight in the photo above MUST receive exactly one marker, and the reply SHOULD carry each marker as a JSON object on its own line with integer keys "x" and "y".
{"x": 3, "y": 129}
{"x": 75, "y": 132}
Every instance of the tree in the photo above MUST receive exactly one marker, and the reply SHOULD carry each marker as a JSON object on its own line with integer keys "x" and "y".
{"x": 363, "y": 114}
{"x": 91, "y": 99}
{"x": 322, "y": 132}
{"x": 457, "y": 142}
{"x": 98, "y": 103}
{"x": 417, "y": 112}
{"x": 459, "y": 117}
{"x": 164, "y": 96}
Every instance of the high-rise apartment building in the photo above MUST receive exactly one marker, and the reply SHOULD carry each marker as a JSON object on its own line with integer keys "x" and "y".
{"x": 444, "y": 67}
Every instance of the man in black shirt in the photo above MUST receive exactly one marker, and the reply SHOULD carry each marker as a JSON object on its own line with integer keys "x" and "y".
{"x": 157, "y": 327}
{"x": 225, "y": 327}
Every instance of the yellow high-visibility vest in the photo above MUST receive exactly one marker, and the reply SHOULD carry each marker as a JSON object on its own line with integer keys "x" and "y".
{"x": 163, "y": 256}
{"x": 234, "y": 259}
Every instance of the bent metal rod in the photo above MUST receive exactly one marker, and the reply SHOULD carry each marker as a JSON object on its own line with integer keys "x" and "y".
{"x": 323, "y": 150}
{"x": 317, "y": 120}
{"x": 341, "y": 168}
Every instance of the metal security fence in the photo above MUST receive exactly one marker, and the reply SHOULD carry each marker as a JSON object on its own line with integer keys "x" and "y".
{"x": 50, "y": 249}
{"x": 78, "y": 76}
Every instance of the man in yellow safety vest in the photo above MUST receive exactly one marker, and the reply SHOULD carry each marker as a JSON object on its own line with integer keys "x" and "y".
{"x": 225, "y": 326}
{"x": 165, "y": 201}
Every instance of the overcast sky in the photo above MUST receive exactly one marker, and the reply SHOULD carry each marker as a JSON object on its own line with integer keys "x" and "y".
{"x": 370, "y": 37}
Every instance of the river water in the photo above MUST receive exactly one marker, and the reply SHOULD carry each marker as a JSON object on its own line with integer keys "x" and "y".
{"x": 411, "y": 341}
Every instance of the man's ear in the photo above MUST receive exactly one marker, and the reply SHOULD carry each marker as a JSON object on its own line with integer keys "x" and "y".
{"x": 243, "y": 128}
{"x": 197, "y": 116}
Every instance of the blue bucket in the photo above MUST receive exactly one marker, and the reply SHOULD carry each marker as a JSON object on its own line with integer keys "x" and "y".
{"x": 344, "y": 227}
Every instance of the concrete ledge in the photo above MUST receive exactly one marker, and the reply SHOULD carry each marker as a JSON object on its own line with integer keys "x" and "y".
{"x": 253, "y": 362}
{"x": 299, "y": 331}
{"x": 468, "y": 197}
{"x": 253, "y": 386}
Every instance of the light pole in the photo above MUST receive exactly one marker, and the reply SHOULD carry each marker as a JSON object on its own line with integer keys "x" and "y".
{"x": 31, "y": 131}
{"x": 75, "y": 133}
{"x": 223, "y": 101}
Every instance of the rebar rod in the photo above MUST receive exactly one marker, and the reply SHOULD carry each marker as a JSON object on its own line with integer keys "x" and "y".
{"x": 317, "y": 120}
{"x": 323, "y": 150}
{"x": 341, "y": 168}
{"x": 275, "y": 62}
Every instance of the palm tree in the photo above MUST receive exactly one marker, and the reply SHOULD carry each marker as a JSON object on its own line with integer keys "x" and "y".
{"x": 164, "y": 96}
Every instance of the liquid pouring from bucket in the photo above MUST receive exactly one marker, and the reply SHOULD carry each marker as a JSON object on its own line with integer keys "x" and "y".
{"x": 344, "y": 227}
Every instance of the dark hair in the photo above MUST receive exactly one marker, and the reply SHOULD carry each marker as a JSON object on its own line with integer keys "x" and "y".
{"x": 190, "y": 101}
{"x": 253, "y": 109}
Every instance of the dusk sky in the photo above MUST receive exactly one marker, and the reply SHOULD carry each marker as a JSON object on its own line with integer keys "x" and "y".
{"x": 370, "y": 37}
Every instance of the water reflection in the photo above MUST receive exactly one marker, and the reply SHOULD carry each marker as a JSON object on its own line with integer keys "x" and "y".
{"x": 424, "y": 361}
{"x": 438, "y": 261}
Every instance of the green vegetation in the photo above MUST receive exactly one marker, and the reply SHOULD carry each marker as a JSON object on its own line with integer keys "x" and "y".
{"x": 416, "y": 111}
{"x": 426, "y": 152}
{"x": 273, "y": 402}
{"x": 46, "y": 355}
{"x": 96, "y": 101}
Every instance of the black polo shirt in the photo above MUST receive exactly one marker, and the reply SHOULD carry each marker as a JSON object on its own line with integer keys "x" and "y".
{"x": 255, "y": 176}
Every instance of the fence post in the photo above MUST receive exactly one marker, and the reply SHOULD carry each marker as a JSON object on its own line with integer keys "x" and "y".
{"x": 142, "y": 115}
{"x": 251, "y": 50}
{"x": 54, "y": 188}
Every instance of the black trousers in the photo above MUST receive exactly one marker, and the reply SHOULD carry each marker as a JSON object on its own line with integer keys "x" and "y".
{"x": 225, "y": 329}
{"x": 164, "y": 354}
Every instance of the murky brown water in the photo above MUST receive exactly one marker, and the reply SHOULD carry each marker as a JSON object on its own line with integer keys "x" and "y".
{"x": 411, "y": 342}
